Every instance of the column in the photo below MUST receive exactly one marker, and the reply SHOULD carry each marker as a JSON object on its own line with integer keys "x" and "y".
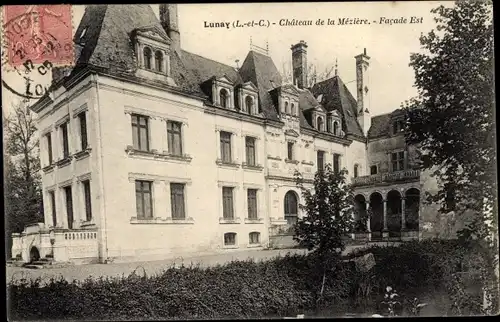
{"x": 403, "y": 218}
{"x": 385, "y": 214}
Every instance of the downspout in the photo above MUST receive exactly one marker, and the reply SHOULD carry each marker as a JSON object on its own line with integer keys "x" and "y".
{"x": 97, "y": 112}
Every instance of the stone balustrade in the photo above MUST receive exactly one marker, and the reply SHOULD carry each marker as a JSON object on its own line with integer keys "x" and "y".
{"x": 405, "y": 175}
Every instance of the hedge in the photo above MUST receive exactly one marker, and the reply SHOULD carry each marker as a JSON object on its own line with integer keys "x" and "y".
{"x": 283, "y": 286}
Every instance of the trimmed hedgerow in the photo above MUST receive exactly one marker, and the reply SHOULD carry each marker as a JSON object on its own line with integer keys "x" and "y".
{"x": 239, "y": 289}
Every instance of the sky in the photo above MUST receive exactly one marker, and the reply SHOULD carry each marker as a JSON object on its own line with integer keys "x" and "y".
{"x": 388, "y": 46}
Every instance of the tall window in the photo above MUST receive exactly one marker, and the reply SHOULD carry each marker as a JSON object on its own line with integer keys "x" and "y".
{"x": 229, "y": 239}
{"x": 373, "y": 170}
{"x": 225, "y": 146}
{"x": 292, "y": 109}
{"x": 48, "y": 137}
{"x": 88, "y": 203}
{"x": 290, "y": 150}
{"x": 336, "y": 128}
{"x": 227, "y": 203}
{"x": 329, "y": 125}
{"x": 336, "y": 163}
{"x": 287, "y": 111}
{"x": 321, "y": 160}
{"x": 356, "y": 171}
{"x": 147, "y": 57}
{"x": 398, "y": 161}
{"x": 250, "y": 150}
{"x": 254, "y": 238}
{"x": 144, "y": 199}
{"x": 69, "y": 206}
{"x": 177, "y": 200}
{"x": 223, "y": 98}
{"x": 249, "y": 104}
{"x": 140, "y": 132}
{"x": 319, "y": 123}
{"x": 52, "y": 197}
{"x": 174, "y": 137}
{"x": 158, "y": 61}
{"x": 252, "y": 203}
{"x": 83, "y": 129}
{"x": 291, "y": 207}
{"x": 64, "y": 131}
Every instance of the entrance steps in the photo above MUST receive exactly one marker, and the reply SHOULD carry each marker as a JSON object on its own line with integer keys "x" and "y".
{"x": 46, "y": 263}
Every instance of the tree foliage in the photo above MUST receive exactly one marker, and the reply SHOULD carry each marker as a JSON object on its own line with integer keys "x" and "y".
{"x": 452, "y": 118}
{"x": 22, "y": 186}
{"x": 328, "y": 211}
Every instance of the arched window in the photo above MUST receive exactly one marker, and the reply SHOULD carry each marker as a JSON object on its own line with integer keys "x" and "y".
{"x": 356, "y": 170}
{"x": 158, "y": 61}
{"x": 319, "y": 123}
{"x": 336, "y": 128}
{"x": 147, "y": 57}
{"x": 292, "y": 109}
{"x": 249, "y": 104}
{"x": 254, "y": 238}
{"x": 291, "y": 207}
{"x": 287, "y": 108}
{"x": 229, "y": 239}
{"x": 329, "y": 125}
{"x": 223, "y": 98}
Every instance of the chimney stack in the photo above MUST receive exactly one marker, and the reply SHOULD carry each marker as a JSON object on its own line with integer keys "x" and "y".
{"x": 363, "y": 90}
{"x": 170, "y": 22}
{"x": 299, "y": 64}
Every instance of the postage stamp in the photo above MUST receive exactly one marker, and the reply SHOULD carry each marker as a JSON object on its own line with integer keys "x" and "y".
{"x": 37, "y": 33}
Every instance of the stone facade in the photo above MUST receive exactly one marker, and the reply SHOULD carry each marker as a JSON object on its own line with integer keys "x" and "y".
{"x": 226, "y": 181}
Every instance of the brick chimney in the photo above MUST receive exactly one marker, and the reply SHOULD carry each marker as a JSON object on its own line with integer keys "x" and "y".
{"x": 299, "y": 64}
{"x": 170, "y": 22}
{"x": 363, "y": 91}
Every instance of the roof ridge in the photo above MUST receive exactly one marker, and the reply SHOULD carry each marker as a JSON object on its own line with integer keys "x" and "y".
{"x": 212, "y": 60}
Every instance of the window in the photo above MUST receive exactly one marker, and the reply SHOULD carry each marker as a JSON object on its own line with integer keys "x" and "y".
{"x": 83, "y": 129}
{"x": 177, "y": 200}
{"x": 250, "y": 150}
{"x": 229, "y": 239}
{"x": 329, "y": 125}
{"x": 227, "y": 203}
{"x": 398, "y": 161}
{"x": 64, "y": 130}
{"x": 292, "y": 109}
{"x": 336, "y": 163}
{"x": 225, "y": 147}
{"x": 252, "y": 203}
{"x": 52, "y": 197}
{"x": 144, "y": 199}
{"x": 147, "y": 57}
{"x": 223, "y": 98}
{"x": 158, "y": 61}
{"x": 373, "y": 170}
{"x": 290, "y": 150}
{"x": 356, "y": 171}
{"x": 319, "y": 123}
{"x": 69, "y": 206}
{"x": 249, "y": 104}
{"x": 291, "y": 207}
{"x": 397, "y": 126}
{"x": 140, "y": 132}
{"x": 174, "y": 138}
{"x": 88, "y": 204}
{"x": 48, "y": 137}
{"x": 336, "y": 128}
{"x": 254, "y": 238}
{"x": 286, "y": 108}
{"x": 320, "y": 160}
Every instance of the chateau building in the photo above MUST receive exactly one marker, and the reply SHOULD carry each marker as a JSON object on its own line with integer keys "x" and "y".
{"x": 151, "y": 151}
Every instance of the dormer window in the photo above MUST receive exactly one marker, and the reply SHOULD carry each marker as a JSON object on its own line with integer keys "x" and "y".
{"x": 397, "y": 127}
{"x": 158, "y": 61}
{"x": 223, "y": 98}
{"x": 292, "y": 110}
{"x": 287, "y": 109}
{"x": 249, "y": 105}
{"x": 147, "y": 57}
{"x": 319, "y": 123}
{"x": 335, "y": 128}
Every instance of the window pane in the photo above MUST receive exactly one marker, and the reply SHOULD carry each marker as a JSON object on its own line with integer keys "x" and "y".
{"x": 83, "y": 130}
{"x": 64, "y": 128}
{"x": 88, "y": 205}
{"x": 290, "y": 150}
{"x": 143, "y": 142}
{"x": 53, "y": 206}
{"x": 230, "y": 239}
{"x": 49, "y": 147}
{"x": 252, "y": 203}
{"x": 394, "y": 166}
{"x": 394, "y": 156}
{"x": 139, "y": 205}
{"x": 148, "y": 207}
{"x": 227, "y": 204}
{"x": 69, "y": 207}
{"x": 135, "y": 136}
{"x": 177, "y": 199}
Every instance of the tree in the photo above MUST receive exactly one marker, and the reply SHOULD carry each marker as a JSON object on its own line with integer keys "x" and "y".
{"x": 452, "y": 118}
{"x": 23, "y": 198}
{"x": 329, "y": 210}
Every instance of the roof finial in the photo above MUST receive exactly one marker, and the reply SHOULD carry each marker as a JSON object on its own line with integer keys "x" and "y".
{"x": 364, "y": 51}
{"x": 336, "y": 67}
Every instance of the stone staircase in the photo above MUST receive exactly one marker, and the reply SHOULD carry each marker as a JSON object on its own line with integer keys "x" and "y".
{"x": 46, "y": 263}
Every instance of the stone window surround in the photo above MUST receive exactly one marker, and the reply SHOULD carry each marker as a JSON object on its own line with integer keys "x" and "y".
{"x": 235, "y": 160}
{"x": 236, "y": 193}
{"x": 257, "y": 140}
{"x": 260, "y": 208}
{"x": 217, "y": 86}
{"x": 291, "y": 99}
{"x": 236, "y": 245}
{"x": 259, "y": 244}
{"x": 243, "y": 93}
{"x": 141, "y": 43}
{"x": 161, "y": 187}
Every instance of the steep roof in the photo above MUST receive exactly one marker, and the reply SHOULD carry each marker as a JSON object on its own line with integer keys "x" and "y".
{"x": 204, "y": 68}
{"x": 337, "y": 97}
{"x": 381, "y": 124}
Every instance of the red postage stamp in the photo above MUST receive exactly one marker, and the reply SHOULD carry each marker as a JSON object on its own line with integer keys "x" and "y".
{"x": 37, "y": 34}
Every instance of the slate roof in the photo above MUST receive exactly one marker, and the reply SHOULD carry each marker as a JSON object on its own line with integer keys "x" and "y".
{"x": 336, "y": 96}
{"x": 381, "y": 124}
{"x": 107, "y": 44}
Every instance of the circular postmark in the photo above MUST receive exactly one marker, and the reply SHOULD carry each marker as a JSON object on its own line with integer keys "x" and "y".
{"x": 36, "y": 39}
